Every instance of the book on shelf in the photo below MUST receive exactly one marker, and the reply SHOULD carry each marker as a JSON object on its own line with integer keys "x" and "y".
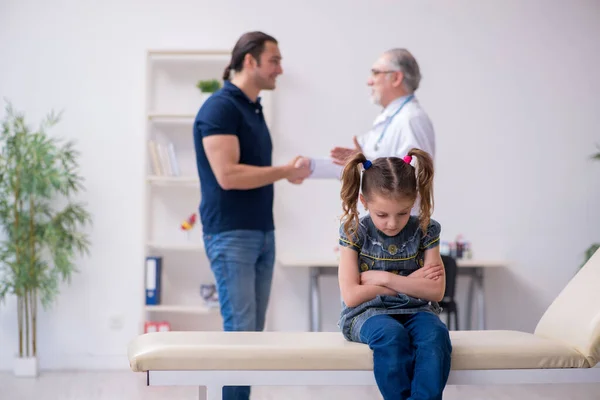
{"x": 153, "y": 280}
{"x": 163, "y": 159}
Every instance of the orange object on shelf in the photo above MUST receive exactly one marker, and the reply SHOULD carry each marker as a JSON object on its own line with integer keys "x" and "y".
{"x": 189, "y": 223}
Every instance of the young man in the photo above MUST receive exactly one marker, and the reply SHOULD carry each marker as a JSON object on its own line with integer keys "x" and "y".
{"x": 233, "y": 151}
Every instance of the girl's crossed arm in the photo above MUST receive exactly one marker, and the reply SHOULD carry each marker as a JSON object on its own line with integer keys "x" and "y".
{"x": 428, "y": 282}
{"x": 353, "y": 291}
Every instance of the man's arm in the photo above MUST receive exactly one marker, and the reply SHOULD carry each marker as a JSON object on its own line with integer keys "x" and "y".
{"x": 223, "y": 153}
{"x": 217, "y": 121}
{"x": 353, "y": 292}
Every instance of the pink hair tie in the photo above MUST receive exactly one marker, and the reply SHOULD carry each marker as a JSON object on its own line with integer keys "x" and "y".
{"x": 407, "y": 159}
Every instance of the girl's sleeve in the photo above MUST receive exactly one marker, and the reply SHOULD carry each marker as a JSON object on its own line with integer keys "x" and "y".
{"x": 355, "y": 239}
{"x": 432, "y": 237}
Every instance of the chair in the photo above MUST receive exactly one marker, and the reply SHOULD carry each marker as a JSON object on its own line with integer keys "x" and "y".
{"x": 449, "y": 303}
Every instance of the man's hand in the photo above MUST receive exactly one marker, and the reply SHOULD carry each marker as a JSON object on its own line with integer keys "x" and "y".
{"x": 340, "y": 155}
{"x": 429, "y": 272}
{"x": 377, "y": 278}
{"x": 300, "y": 170}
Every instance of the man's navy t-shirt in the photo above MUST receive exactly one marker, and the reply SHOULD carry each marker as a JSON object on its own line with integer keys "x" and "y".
{"x": 229, "y": 111}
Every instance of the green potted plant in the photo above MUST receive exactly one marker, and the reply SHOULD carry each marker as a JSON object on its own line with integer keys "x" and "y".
{"x": 41, "y": 225}
{"x": 594, "y": 247}
{"x": 208, "y": 86}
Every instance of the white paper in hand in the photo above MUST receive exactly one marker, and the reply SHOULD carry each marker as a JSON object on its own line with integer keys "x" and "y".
{"x": 325, "y": 168}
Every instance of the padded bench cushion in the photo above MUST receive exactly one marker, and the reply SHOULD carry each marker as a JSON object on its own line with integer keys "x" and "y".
{"x": 330, "y": 351}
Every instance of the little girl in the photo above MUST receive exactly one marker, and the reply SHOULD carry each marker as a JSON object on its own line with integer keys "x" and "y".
{"x": 391, "y": 274}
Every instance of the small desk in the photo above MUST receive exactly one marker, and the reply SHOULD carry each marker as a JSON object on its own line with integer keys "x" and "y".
{"x": 470, "y": 267}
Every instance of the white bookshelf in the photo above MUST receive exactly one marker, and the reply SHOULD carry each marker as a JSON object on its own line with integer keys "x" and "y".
{"x": 159, "y": 180}
{"x": 173, "y": 192}
{"x": 170, "y": 247}
{"x": 172, "y": 101}
{"x": 171, "y": 118}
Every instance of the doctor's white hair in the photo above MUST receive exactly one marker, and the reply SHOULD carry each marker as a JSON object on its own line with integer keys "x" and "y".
{"x": 402, "y": 60}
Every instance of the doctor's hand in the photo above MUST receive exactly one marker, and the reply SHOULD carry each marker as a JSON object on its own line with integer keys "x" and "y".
{"x": 300, "y": 171}
{"x": 340, "y": 155}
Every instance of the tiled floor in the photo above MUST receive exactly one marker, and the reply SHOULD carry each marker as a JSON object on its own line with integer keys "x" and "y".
{"x": 126, "y": 385}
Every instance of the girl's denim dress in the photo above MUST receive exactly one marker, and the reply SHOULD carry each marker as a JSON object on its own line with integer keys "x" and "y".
{"x": 401, "y": 254}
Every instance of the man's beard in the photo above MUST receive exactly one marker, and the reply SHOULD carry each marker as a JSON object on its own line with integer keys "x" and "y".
{"x": 264, "y": 83}
{"x": 375, "y": 98}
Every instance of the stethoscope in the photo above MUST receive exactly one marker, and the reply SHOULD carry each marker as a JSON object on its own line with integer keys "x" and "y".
{"x": 409, "y": 98}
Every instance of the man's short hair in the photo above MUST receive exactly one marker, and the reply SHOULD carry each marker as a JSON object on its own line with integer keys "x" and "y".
{"x": 401, "y": 59}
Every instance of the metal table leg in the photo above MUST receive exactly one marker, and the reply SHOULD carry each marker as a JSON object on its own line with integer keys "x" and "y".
{"x": 478, "y": 278}
{"x": 470, "y": 293}
{"x": 212, "y": 393}
{"x": 315, "y": 300}
{"x": 475, "y": 285}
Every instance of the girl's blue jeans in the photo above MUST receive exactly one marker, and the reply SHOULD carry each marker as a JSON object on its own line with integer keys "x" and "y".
{"x": 411, "y": 355}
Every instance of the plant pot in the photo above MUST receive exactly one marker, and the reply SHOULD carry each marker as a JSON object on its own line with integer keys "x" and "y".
{"x": 26, "y": 367}
{"x": 198, "y": 101}
{"x": 204, "y": 96}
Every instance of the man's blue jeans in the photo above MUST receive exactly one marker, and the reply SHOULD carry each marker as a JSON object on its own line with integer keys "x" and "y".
{"x": 411, "y": 355}
{"x": 242, "y": 262}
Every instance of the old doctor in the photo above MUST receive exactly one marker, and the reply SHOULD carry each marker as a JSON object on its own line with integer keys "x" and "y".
{"x": 403, "y": 123}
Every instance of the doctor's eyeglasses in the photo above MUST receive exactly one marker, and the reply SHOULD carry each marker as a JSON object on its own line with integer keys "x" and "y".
{"x": 375, "y": 72}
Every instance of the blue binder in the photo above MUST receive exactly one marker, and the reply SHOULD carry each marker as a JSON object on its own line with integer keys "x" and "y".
{"x": 153, "y": 275}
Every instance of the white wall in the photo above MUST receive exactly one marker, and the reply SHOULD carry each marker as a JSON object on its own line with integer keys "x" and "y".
{"x": 513, "y": 89}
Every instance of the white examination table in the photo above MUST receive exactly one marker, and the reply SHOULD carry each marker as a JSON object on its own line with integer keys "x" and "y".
{"x": 564, "y": 348}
